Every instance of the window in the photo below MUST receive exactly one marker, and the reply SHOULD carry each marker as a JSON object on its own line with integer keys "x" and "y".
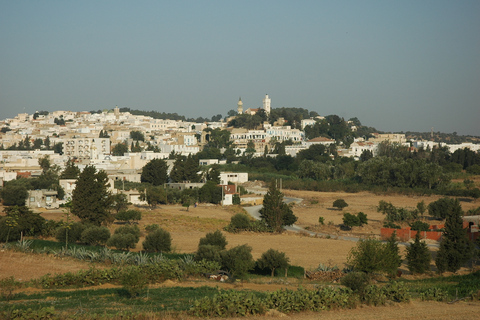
{"x": 32, "y": 199}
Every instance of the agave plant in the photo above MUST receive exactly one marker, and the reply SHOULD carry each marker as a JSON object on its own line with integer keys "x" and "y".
{"x": 121, "y": 258}
{"x": 187, "y": 261}
{"x": 23, "y": 245}
{"x": 158, "y": 259}
{"x": 141, "y": 258}
{"x": 105, "y": 254}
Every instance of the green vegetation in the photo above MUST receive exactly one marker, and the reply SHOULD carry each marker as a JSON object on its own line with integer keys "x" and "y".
{"x": 275, "y": 213}
{"x": 158, "y": 240}
{"x": 418, "y": 256}
{"x": 340, "y": 204}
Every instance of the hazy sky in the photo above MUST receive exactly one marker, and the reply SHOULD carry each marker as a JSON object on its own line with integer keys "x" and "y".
{"x": 396, "y": 65}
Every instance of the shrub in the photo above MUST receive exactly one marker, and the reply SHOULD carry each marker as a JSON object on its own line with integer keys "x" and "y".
{"x": 273, "y": 259}
{"x": 122, "y": 241}
{"x": 357, "y": 281}
{"x": 129, "y": 216}
{"x": 239, "y": 222}
{"x": 158, "y": 241}
{"x": 368, "y": 256}
{"x": 391, "y": 225}
{"x": 215, "y": 239}
{"x": 133, "y": 281}
{"x": 134, "y": 230}
{"x": 7, "y": 286}
{"x": 238, "y": 260}
{"x": 351, "y": 220}
{"x": 340, "y": 204}
{"x": 208, "y": 253}
{"x": 321, "y": 220}
{"x": 95, "y": 235}
{"x": 419, "y": 226}
{"x": 151, "y": 227}
{"x": 74, "y": 232}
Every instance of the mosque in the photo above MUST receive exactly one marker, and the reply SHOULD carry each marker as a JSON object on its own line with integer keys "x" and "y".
{"x": 252, "y": 111}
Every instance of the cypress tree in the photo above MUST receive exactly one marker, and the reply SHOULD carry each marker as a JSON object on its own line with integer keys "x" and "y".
{"x": 418, "y": 256}
{"x": 275, "y": 212}
{"x": 455, "y": 247}
{"x": 392, "y": 259}
{"x": 91, "y": 199}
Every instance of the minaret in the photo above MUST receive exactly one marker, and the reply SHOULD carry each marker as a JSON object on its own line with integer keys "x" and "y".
{"x": 266, "y": 104}
{"x": 240, "y": 106}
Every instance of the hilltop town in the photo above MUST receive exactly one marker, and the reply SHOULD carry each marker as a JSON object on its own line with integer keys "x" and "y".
{"x": 121, "y": 143}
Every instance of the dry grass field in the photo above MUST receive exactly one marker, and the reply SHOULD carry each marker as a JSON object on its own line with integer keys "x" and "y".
{"x": 187, "y": 227}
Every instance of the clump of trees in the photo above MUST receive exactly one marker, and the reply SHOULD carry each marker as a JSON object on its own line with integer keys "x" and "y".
{"x": 394, "y": 214}
{"x": 352, "y": 220}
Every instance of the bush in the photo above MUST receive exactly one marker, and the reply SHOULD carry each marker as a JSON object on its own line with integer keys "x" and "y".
{"x": 151, "y": 227}
{"x": 74, "y": 232}
{"x": 240, "y": 221}
{"x": 158, "y": 241}
{"x": 238, "y": 260}
{"x": 368, "y": 256}
{"x": 129, "y": 216}
{"x": 351, "y": 220}
{"x": 321, "y": 220}
{"x": 273, "y": 259}
{"x": 340, "y": 204}
{"x": 391, "y": 225}
{"x": 420, "y": 226}
{"x": 95, "y": 235}
{"x": 133, "y": 281}
{"x": 208, "y": 253}
{"x": 122, "y": 241}
{"x": 134, "y": 230}
{"x": 125, "y": 237}
{"x": 357, "y": 281}
{"x": 215, "y": 239}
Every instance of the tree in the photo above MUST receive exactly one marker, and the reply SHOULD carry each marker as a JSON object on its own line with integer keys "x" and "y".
{"x": 442, "y": 207}
{"x": 119, "y": 202}
{"x": 275, "y": 213}
{"x": 95, "y": 235}
{"x": 418, "y": 256}
{"x": 137, "y": 135}
{"x": 20, "y": 220}
{"x": 421, "y": 207}
{"x": 215, "y": 239}
{"x": 155, "y": 196}
{"x": 367, "y": 256}
{"x": 158, "y": 241}
{"x": 185, "y": 170}
{"x": 273, "y": 259}
{"x": 340, "y": 204}
{"x": 71, "y": 171}
{"x": 91, "y": 199}
{"x": 455, "y": 247}
{"x": 238, "y": 260}
{"x": 119, "y": 149}
{"x": 155, "y": 172}
{"x": 14, "y": 194}
{"x": 351, "y": 220}
{"x": 392, "y": 259}
{"x": 125, "y": 237}
{"x": 129, "y": 216}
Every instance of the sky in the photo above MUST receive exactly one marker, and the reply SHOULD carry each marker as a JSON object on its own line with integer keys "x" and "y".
{"x": 395, "y": 65}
